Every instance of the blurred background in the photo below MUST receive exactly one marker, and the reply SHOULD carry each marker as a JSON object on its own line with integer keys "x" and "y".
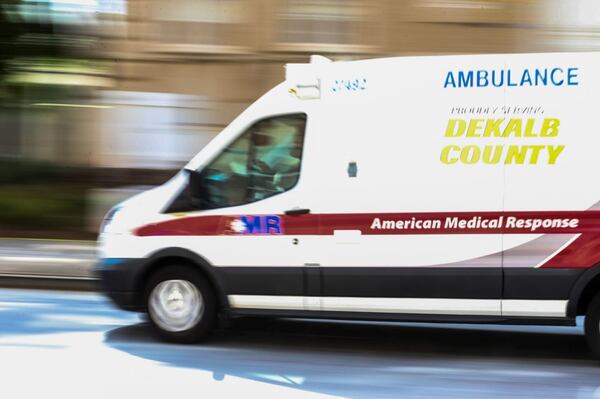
{"x": 101, "y": 98}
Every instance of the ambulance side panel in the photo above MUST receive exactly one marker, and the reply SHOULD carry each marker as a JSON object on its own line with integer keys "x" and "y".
{"x": 393, "y": 131}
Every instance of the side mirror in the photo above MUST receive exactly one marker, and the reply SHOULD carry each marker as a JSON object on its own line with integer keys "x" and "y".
{"x": 196, "y": 187}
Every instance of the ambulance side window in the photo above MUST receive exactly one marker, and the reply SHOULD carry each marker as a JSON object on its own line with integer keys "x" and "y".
{"x": 264, "y": 161}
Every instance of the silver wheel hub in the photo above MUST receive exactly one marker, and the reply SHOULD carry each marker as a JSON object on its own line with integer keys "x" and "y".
{"x": 175, "y": 305}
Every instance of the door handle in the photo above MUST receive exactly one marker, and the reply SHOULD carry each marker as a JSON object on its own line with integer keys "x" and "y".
{"x": 297, "y": 211}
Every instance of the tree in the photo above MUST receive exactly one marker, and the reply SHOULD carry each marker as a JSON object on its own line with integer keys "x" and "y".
{"x": 10, "y": 30}
{"x": 28, "y": 37}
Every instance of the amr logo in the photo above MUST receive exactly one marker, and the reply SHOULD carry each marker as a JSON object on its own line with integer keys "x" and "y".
{"x": 269, "y": 224}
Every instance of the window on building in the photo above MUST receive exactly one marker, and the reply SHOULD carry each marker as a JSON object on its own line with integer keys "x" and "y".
{"x": 322, "y": 21}
{"x": 468, "y": 11}
{"x": 76, "y": 12}
{"x": 204, "y": 22}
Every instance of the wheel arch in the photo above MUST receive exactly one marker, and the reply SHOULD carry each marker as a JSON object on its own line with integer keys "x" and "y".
{"x": 167, "y": 256}
{"x": 584, "y": 290}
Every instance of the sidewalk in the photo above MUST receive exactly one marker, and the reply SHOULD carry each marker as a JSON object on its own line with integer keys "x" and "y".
{"x": 40, "y": 263}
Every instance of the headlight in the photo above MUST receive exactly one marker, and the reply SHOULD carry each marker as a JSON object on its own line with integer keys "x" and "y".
{"x": 108, "y": 218}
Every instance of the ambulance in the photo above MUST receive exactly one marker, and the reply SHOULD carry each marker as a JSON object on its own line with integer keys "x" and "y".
{"x": 438, "y": 189}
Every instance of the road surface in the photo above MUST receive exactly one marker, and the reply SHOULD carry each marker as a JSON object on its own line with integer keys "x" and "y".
{"x": 76, "y": 345}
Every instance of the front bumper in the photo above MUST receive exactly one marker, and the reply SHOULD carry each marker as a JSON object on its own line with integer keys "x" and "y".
{"x": 120, "y": 280}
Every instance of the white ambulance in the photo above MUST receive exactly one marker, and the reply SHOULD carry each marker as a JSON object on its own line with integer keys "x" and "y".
{"x": 444, "y": 189}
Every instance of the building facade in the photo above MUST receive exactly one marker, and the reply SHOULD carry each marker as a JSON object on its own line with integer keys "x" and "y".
{"x": 181, "y": 70}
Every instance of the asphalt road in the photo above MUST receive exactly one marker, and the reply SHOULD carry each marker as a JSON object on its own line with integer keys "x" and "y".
{"x": 76, "y": 345}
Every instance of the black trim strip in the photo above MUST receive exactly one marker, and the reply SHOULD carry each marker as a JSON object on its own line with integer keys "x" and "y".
{"x": 394, "y": 317}
{"x": 413, "y": 282}
{"x": 401, "y": 282}
{"x": 530, "y": 283}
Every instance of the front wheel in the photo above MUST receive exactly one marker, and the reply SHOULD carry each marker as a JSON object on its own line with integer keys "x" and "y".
{"x": 181, "y": 304}
{"x": 592, "y": 326}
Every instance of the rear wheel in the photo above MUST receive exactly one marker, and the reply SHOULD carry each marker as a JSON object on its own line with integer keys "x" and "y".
{"x": 592, "y": 326}
{"x": 181, "y": 304}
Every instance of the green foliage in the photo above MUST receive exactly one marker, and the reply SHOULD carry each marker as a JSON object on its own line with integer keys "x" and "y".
{"x": 10, "y": 29}
{"x": 27, "y": 172}
{"x": 39, "y": 195}
{"x": 32, "y": 37}
{"x": 50, "y": 206}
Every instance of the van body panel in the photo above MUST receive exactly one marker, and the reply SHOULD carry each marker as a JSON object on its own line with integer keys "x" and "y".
{"x": 432, "y": 185}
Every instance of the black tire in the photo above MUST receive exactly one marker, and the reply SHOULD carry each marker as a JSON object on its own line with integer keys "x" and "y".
{"x": 592, "y": 326}
{"x": 208, "y": 316}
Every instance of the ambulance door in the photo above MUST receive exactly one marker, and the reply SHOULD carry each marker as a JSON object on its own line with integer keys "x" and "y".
{"x": 255, "y": 189}
{"x": 392, "y": 203}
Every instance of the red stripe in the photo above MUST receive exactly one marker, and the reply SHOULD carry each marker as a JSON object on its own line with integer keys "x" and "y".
{"x": 187, "y": 226}
{"x": 584, "y": 252}
{"x": 325, "y": 224}
{"x": 588, "y": 221}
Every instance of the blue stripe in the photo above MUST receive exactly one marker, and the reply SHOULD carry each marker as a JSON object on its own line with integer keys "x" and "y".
{"x": 106, "y": 263}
